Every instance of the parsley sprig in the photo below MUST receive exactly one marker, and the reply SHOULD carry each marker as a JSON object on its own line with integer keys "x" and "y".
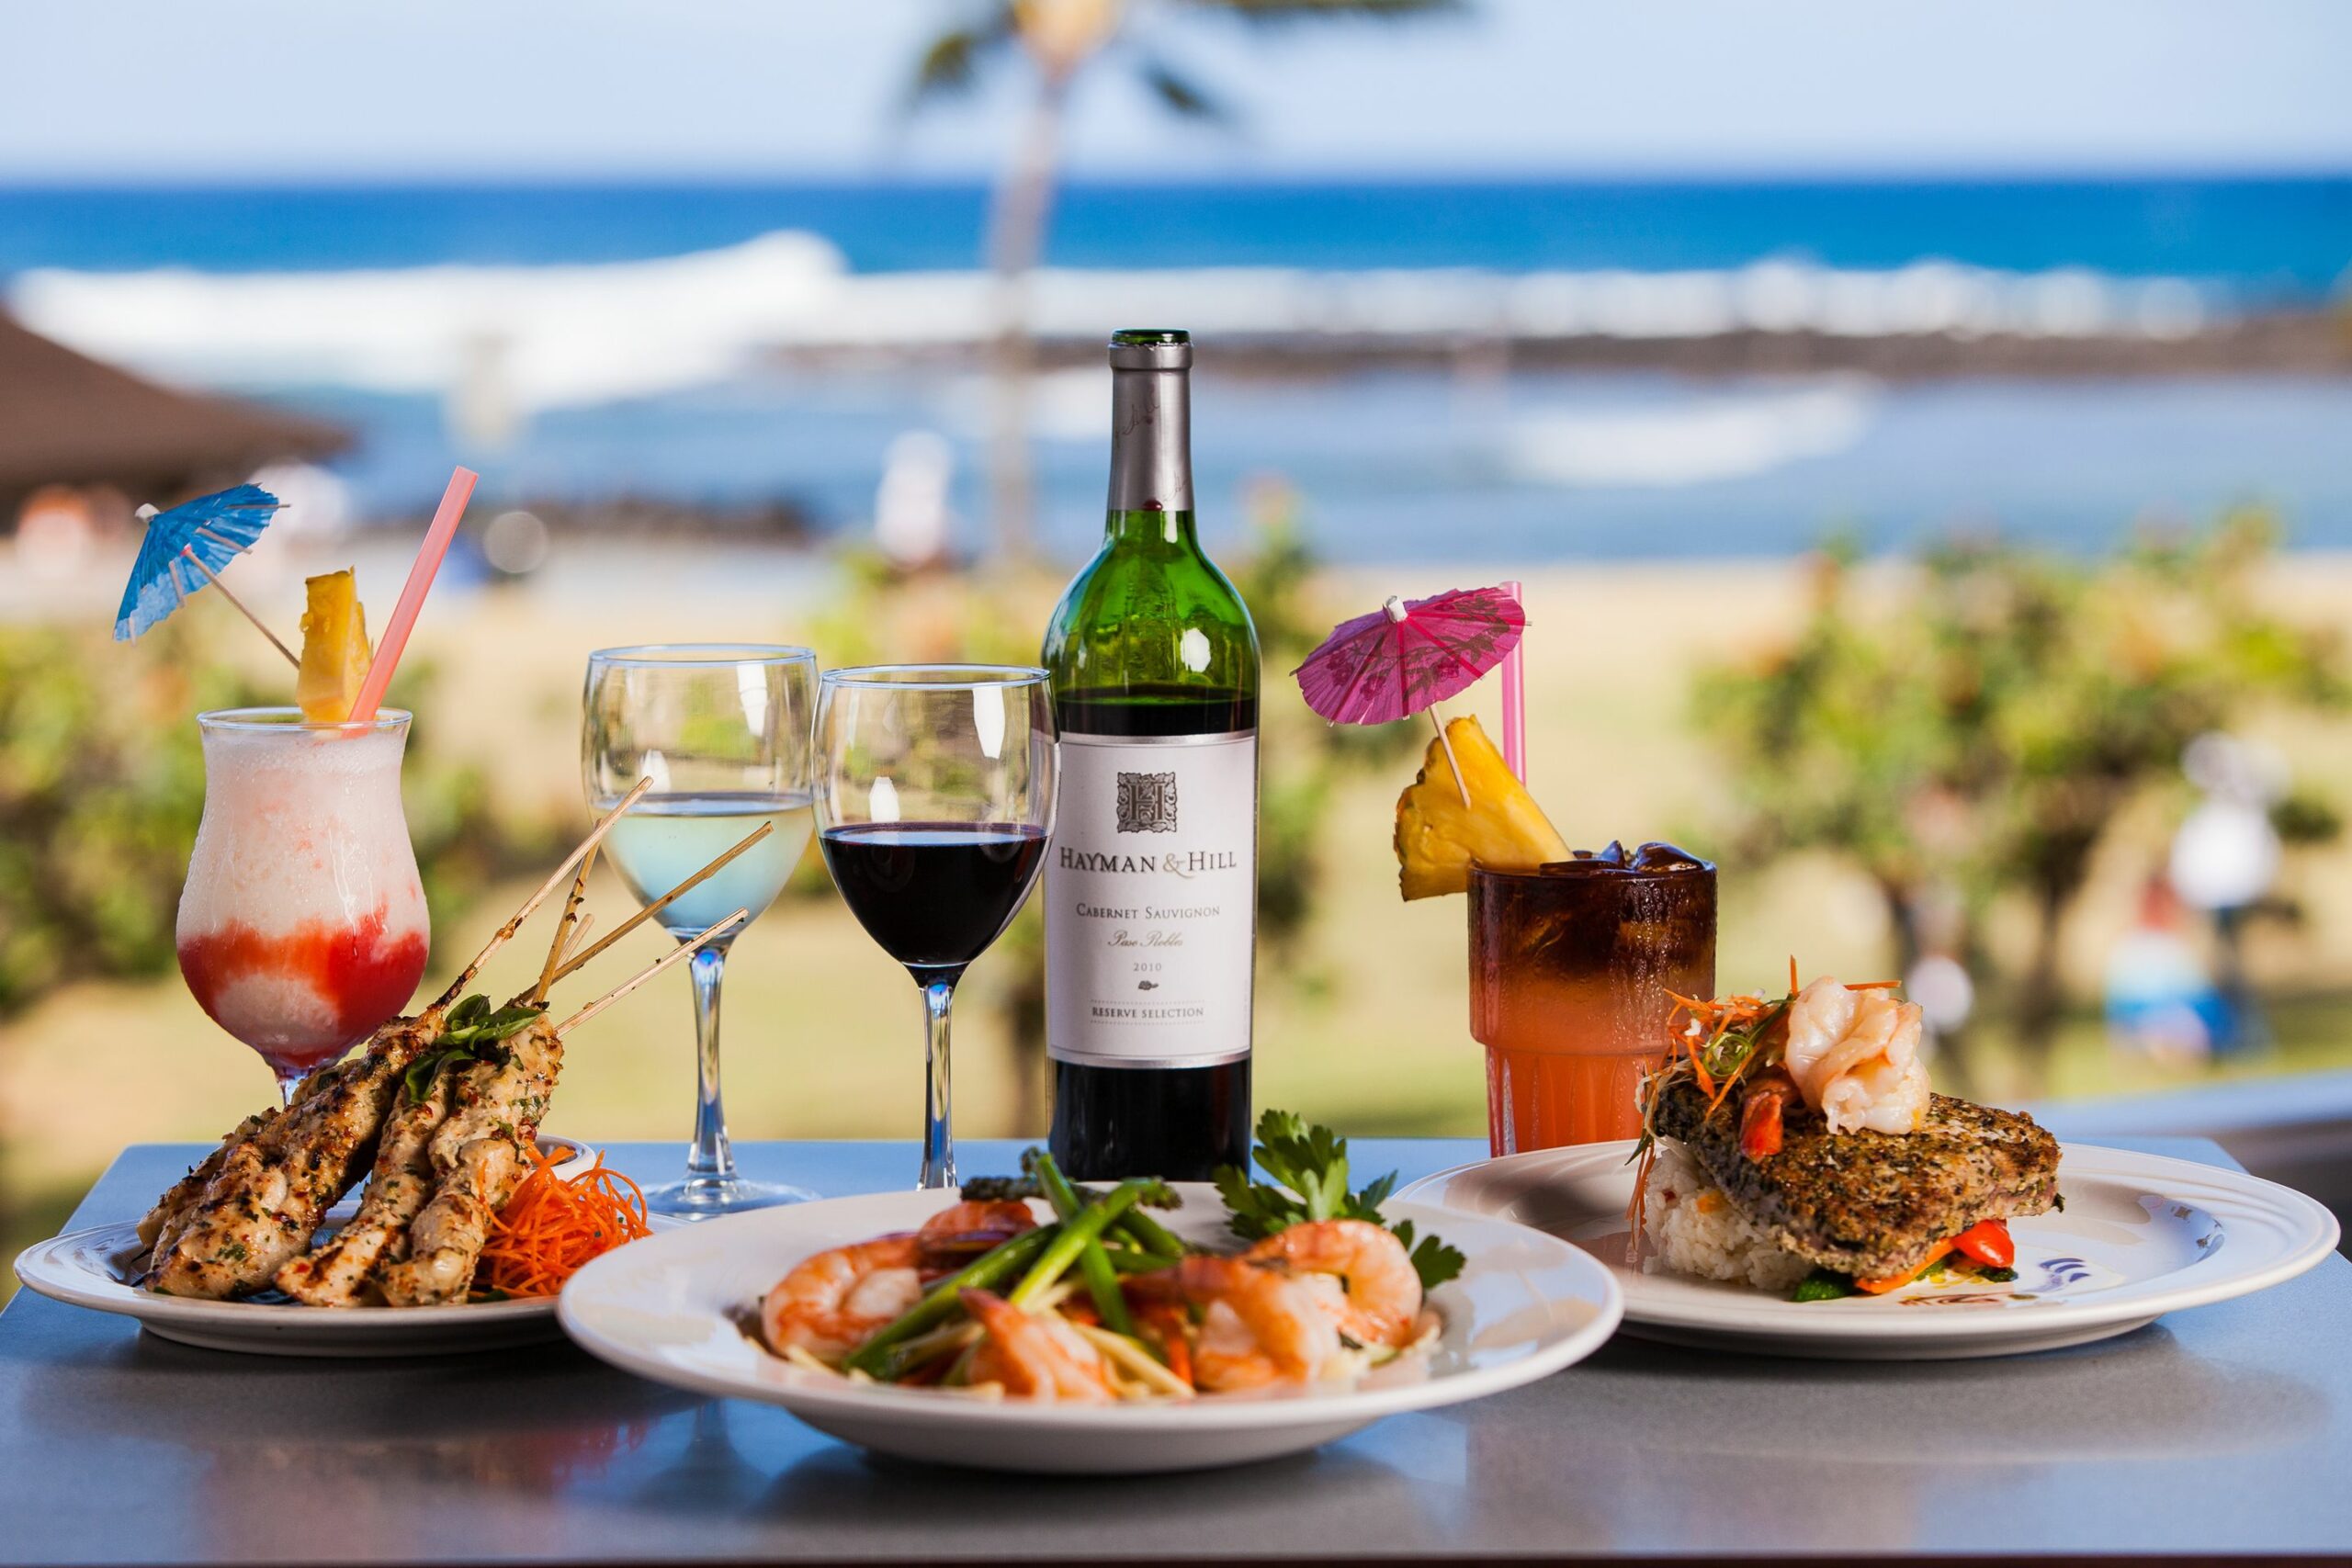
{"x": 1309, "y": 1164}
{"x": 471, "y": 1033}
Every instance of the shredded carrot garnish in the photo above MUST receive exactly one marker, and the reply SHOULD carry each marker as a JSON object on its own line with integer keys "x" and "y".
{"x": 1872, "y": 985}
{"x": 554, "y": 1225}
{"x": 1706, "y": 1084}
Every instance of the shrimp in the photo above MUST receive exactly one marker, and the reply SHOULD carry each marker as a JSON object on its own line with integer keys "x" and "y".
{"x": 1260, "y": 1328}
{"x": 1035, "y": 1357}
{"x": 1855, "y": 1055}
{"x": 831, "y": 1304}
{"x": 961, "y": 1232}
{"x": 1359, "y": 1274}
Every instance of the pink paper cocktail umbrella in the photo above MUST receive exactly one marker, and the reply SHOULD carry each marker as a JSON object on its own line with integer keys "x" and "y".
{"x": 1407, "y": 656}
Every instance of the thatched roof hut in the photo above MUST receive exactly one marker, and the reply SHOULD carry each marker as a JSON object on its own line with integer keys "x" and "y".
{"x": 68, "y": 419}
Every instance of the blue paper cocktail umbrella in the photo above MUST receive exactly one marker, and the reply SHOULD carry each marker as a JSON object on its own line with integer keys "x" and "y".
{"x": 185, "y": 547}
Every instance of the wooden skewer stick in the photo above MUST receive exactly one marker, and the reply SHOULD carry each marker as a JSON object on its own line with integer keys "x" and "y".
{"x": 555, "y": 880}
{"x": 1448, "y": 744}
{"x": 579, "y": 934}
{"x": 686, "y": 948}
{"x": 618, "y": 931}
{"x": 197, "y": 562}
{"x": 563, "y": 927}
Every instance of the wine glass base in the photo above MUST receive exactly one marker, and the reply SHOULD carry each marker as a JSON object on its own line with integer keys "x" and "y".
{"x": 707, "y": 1197}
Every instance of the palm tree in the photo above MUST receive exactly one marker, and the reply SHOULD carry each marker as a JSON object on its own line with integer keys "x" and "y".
{"x": 1059, "y": 40}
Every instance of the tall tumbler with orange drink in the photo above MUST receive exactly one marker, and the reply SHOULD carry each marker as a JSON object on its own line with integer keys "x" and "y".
{"x": 1571, "y": 967}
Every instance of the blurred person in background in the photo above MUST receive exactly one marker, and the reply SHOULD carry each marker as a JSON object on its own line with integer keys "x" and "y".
{"x": 2225, "y": 861}
{"x": 2161, "y": 1002}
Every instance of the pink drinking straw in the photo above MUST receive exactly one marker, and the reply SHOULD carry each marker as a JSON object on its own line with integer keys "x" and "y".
{"x": 1515, "y": 698}
{"x": 419, "y": 582}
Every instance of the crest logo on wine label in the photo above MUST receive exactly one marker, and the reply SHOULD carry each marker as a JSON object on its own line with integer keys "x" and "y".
{"x": 1146, "y": 803}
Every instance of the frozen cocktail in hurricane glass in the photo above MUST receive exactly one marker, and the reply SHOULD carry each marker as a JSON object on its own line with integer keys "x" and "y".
{"x": 302, "y": 925}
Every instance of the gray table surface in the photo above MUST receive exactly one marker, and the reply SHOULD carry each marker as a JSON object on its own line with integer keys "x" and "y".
{"x": 2225, "y": 1429}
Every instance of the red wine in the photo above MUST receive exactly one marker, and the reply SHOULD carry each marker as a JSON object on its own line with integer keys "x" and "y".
{"x": 934, "y": 894}
{"x": 1151, "y": 888}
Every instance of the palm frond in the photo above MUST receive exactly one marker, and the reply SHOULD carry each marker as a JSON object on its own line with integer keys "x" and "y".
{"x": 951, "y": 60}
{"x": 1180, "y": 94}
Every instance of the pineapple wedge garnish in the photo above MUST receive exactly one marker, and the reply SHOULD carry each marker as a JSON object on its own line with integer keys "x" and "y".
{"x": 335, "y": 649}
{"x": 1502, "y": 827}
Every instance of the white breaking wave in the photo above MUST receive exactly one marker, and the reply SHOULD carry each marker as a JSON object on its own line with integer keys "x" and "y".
{"x": 546, "y": 336}
{"x": 1689, "y": 444}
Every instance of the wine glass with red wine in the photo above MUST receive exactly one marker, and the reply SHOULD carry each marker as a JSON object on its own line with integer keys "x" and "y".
{"x": 933, "y": 806}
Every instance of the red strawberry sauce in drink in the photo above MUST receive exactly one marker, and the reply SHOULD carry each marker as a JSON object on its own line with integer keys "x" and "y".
{"x": 302, "y": 996}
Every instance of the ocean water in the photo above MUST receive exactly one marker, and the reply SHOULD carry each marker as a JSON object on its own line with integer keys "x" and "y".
{"x": 631, "y": 319}
{"x": 2269, "y": 238}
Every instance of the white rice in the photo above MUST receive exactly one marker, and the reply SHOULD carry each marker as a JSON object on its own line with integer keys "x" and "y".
{"x": 1690, "y": 1228}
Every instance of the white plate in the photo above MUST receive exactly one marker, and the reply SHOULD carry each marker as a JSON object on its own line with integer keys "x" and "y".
{"x": 667, "y": 1308}
{"x": 2140, "y": 1235}
{"x": 94, "y": 1269}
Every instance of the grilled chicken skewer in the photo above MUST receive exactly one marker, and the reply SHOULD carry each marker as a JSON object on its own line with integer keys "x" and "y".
{"x": 336, "y": 1272}
{"x": 274, "y": 1189}
{"x": 481, "y": 1154}
{"x": 478, "y": 1158}
{"x": 172, "y": 1205}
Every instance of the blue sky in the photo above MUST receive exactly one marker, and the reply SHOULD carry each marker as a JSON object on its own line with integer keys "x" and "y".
{"x": 490, "y": 88}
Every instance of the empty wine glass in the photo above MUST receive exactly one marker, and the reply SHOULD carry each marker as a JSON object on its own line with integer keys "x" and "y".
{"x": 933, "y": 806}
{"x": 723, "y": 732}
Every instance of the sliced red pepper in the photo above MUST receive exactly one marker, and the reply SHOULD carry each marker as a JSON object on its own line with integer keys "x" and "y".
{"x": 1988, "y": 1243}
{"x": 1769, "y": 1095}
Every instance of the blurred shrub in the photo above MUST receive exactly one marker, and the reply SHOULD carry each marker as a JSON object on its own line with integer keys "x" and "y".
{"x": 1976, "y": 728}
{"x": 102, "y": 785}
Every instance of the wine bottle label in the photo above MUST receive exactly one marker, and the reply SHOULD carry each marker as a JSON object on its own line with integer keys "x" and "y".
{"x": 1151, "y": 900}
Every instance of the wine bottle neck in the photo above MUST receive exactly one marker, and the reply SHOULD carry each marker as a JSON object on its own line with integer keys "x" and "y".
{"x": 1146, "y": 527}
{"x": 1151, "y": 444}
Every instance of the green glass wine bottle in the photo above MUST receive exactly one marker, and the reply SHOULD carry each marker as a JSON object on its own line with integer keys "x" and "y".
{"x": 1151, "y": 884}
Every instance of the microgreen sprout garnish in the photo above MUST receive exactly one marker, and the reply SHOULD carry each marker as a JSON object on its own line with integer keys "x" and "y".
{"x": 471, "y": 1033}
{"x": 1309, "y": 1164}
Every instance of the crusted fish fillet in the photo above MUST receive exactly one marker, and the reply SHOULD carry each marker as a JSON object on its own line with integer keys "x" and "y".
{"x": 336, "y": 1272}
{"x": 266, "y": 1200}
{"x": 478, "y": 1156}
{"x": 1869, "y": 1204}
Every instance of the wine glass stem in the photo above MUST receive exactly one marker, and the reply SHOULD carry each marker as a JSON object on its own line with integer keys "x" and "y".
{"x": 938, "y": 1105}
{"x": 710, "y": 1159}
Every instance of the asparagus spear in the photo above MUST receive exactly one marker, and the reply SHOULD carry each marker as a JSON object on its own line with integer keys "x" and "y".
{"x": 1093, "y": 1262}
{"x": 1135, "y": 1260}
{"x": 1070, "y": 1240}
{"x": 984, "y": 1272}
{"x": 1136, "y": 1225}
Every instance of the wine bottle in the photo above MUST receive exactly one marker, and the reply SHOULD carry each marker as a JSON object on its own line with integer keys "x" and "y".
{"x": 1151, "y": 881}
